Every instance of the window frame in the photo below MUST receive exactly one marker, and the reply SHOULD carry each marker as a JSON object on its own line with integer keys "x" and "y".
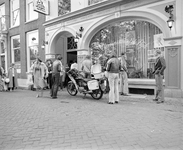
{"x": 28, "y": 37}
{"x": 13, "y": 53}
{"x": 12, "y": 13}
{"x": 28, "y": 18}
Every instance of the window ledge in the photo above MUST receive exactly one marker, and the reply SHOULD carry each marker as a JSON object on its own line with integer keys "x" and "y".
{"x": 30, "y": 21}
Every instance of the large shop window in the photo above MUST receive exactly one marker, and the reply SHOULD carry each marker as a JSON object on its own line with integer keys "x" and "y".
{"x": 15, "y": 44}
{"x": 32, "y": 47}
{"x": 15, "y": 12}
{"x": 30, "y": 13}
{"x": 64, "y": 7}
{"x": 139, "y": 39}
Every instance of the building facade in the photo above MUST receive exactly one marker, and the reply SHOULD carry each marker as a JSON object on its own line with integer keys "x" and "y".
{"x": 75, "y": 28}
{"x": 137, "y": 27}
{"x": 22, "y": 35}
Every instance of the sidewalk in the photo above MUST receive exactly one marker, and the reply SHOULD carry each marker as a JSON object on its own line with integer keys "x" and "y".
{"x": 74, "y": 123}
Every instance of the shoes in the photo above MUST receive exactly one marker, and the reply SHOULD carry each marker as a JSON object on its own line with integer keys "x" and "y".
{"x": 110, "y": 103}
{"x": 159, "y": 102}
{"x": 155, "y": 99}
{"x": 124, "y": 94}
{"x": 54, "y": 97}
{"x": 116, "y": 101}
{"x": 37, "y": 95}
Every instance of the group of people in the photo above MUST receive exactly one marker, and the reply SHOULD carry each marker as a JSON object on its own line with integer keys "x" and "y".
{"x": 50, "y": 75}
{"x": 47, "y": 75}
{"x": 116, "y": 67}
{"x": 8, "y": 81}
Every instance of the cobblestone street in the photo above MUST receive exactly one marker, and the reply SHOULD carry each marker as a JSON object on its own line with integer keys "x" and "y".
{"x": 70, "y": 123}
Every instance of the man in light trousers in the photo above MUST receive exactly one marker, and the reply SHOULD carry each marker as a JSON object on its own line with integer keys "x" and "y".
{"x": 160, "y": 66}
{"x": 123, "y": 75}
{"x": 113, "y": 68}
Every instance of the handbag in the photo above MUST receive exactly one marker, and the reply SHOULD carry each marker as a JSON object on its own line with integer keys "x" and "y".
{"x": 7, "y": 80}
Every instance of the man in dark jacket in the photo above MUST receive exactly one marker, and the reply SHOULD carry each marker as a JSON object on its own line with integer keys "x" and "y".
{"x": 113, "y": 68}
{"x": 160, "y": 66}
{"x": 56, "y": 76}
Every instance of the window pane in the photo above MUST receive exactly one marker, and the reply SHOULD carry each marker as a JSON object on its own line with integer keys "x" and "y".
{"x": 16, "y": 17}
{"x": 31, "y": 13}
{"x": 15, "y": 4}
{"x": 2, "y": 47}
{"x": 3, "y": 62}
{"x": 17, "y": 55}
{"x": 16, "y": 42}
{"x": 137, "y": 38}
{"x": 71, "y": 44}
{"x": 64, "y": 7}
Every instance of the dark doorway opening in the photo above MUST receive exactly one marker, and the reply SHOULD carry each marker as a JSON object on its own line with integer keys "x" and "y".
{"x": 71, "y": 57}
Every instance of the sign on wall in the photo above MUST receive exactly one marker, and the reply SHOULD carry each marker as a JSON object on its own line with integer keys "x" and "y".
{"x": 41, "y": 6}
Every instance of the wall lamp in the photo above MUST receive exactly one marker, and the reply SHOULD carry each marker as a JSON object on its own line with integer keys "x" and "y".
{"x": 44, "y": 43}
{"x": 79, "y": 35}
{"x": 169, "y": 9}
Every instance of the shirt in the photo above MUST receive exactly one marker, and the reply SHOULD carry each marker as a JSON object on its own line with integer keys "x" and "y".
{"x": 86, "y": 65}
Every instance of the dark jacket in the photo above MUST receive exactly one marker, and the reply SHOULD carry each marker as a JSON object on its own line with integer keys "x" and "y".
{"x": 113, "y": 65}
{"x": 160, "y": 65}
{"x": 56, "y": 67}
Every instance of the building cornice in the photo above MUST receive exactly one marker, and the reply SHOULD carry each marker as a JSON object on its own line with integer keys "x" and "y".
{"x": 115, "y": 4}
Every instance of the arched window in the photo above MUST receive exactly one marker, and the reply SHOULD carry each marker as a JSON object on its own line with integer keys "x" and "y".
{"x": 138, "y": 39}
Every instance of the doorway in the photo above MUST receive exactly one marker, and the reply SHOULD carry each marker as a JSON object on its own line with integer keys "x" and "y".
{"x": 71, "y": 57}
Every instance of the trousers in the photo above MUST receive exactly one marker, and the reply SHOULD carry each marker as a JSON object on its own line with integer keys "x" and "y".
{"x": 159, "y": 87}
{"x": 55, "y": 84}
{"x": 123, "y": 82}
{"x": 113, "y": 84}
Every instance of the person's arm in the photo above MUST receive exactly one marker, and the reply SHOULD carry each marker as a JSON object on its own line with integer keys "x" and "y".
{"x": 108, "y": 65}
{"x": 163, "y": 64}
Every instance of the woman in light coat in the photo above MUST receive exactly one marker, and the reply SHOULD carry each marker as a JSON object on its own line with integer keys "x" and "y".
{"x": 40, "y": 73}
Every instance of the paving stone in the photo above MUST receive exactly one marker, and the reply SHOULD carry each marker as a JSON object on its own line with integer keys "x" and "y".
{"x": 71, "y": 123}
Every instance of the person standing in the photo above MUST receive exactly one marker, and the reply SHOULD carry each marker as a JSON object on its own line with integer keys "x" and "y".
{"x": 61, "y": 75}
{"x": 56, "y": 77}
{"x": 113, "y": 68}
{"x": 123, "y": 75}
{"x": 12, "y": 75}
{"x": 74, "y": 65}
{"x": 49, "y": 78}
{"x": 86, "y": 66}
{"x": 160, "y": 66}
{"x": 40, "y": 73}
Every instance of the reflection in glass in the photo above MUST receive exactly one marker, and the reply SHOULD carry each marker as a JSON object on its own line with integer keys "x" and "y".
{"x": 64, "y": 7}
{"x": 134, "y": 37}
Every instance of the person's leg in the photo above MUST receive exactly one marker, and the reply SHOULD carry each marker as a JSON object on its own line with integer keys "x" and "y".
{"x": 121, "y": 83}
{"x": 13, "y": 79}
{"x": 61, "y": 82}
{"x": 57, "y": 78}
{"x": 125, "y": 83}
{"x": 111, "y": 85}
{"x": 116, "y": 88}
{"x": 159, "y": 83}
{"x": 53, "y": 85}
{"x": 161, "y": 89}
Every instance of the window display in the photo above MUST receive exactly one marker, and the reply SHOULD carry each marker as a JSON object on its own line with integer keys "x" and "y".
{"x": 139, "y": 39}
